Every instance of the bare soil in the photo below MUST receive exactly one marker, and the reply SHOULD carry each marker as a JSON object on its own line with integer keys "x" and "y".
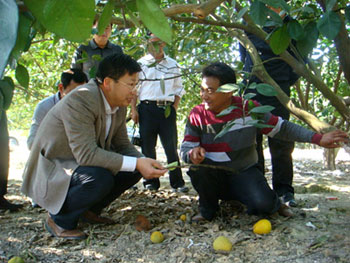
{"x": 319, "y": 231}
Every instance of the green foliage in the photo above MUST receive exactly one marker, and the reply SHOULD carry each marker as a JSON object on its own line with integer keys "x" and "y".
{"x": 24, "y": 36}
{"x": 329, "y": 24}
{"x": 279, "y": 40}
{"x": 68, "y": 19}
{"x": 266, "y": 89}
{"x": 228, "y": 88}
{"x": 295, "y": 30}
{"x": 308, "y": 42}
{"x": 347, "y": 13}
{"x": 105, "y": 18}
{"x": 22, "y": 75}
{"x": 259, "y": 12}
{"x": 154, "y": 19}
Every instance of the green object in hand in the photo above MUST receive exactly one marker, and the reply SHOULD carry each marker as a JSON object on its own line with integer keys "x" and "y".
{"x": 172, "y": 166}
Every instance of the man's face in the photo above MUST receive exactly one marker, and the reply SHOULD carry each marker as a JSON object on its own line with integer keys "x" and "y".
{"x": 214, "y": 101}
{"x": 119, "y": 93}
{"x": 155, "y": 47}
{"x": 105, "y": 36}
{"x": 72, "y": 85}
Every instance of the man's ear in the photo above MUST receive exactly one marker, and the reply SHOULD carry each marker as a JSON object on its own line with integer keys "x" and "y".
{"x": 60, "y": 88}
{"x": 107, "y": 82}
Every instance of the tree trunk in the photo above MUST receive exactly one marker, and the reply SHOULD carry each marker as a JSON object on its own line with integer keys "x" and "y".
{"x": 329, "y": 156}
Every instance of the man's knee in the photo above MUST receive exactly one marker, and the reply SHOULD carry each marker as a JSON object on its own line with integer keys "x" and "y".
{"x": 100, "y": 180}
{"x": 264, "y": 206}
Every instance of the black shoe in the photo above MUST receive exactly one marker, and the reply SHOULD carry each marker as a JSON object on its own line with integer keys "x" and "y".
{"x": 288, "y": 199}
{"x": 182, "y": 189}
{"x": 151, "y": 187}
{"x": 6, "y": 205}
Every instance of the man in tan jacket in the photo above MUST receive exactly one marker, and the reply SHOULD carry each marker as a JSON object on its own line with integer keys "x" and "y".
{"x": 81, "y": 159}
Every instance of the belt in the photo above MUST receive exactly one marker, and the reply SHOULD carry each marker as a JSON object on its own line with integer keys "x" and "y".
{"x": 158, "y": 102}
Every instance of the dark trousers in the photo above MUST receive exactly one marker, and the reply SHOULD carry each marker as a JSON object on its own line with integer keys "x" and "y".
{"x": 92, "y": 188}
{"x": 153, "y": 123}
{"x": 281, "y": 157}
{"x": 4, "y": 153}
{"x": 248, "y": 187}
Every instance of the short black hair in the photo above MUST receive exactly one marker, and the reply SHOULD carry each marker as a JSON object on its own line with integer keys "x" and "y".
{"x": 223, "y": 72}
{"x": 77, "y": 75}
{"x": 115, "y": 66}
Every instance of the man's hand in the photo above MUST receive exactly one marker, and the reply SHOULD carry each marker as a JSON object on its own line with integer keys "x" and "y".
{"x": 197, "y": 155}
{"x": 150, "y": 168}
{"x": 135, "y": 116}
{"x": 333, "y": 139}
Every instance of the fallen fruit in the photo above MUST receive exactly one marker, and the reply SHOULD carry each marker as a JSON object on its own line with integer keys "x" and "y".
{"x": 262, "y": 227}
{"x": 157, "y": 237}
{"x": 16, "y": 259}
{"x": 222, "y": 243}
{"x": 183, "y": 218}
{"x": 142, "y": 223}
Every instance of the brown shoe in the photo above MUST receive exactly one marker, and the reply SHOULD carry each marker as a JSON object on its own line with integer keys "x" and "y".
{"x": 58, "y": 231}
{"x": 285, "y": 211}
{"x": 92, "y": 218}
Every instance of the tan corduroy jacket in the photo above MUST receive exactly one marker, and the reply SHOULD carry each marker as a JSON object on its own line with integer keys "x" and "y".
{"x": 72, "y": 134}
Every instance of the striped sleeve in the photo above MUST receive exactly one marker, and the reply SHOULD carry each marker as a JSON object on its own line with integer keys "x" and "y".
{"x": 191, "y": 140}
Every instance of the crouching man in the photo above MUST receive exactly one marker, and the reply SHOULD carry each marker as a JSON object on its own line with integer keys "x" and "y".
{"x": 235, "y": 150}
{"x": 81, "y": 159}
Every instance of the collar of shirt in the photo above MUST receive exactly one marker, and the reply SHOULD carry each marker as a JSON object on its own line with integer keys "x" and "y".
{"x": 149, "y": 60}
{"x": 95, "y": 46}
{"x": 108, "y": 109}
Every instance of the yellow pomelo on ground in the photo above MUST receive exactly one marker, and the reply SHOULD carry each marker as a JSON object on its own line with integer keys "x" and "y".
{"x": 16, "y": 259}
{"x": 262, "y": 227}
{"x": 222, "y": 243}
{"x": 183, "y": 217}
{"x": 157, "y": 237}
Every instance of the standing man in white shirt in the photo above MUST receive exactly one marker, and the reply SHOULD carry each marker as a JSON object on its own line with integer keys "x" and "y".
{"x": 159, "y": 95}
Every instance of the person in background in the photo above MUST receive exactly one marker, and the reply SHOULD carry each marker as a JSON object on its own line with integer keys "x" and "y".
{"x": 235, "y": 151}
{"x": 4, "y": 165}
{"x": 70, "y": 79}
{"x": 81, "y": 159}
{"x": 160, "y": 91}
{"x": 87, "y": 57}
{"x": 281, "y": 151}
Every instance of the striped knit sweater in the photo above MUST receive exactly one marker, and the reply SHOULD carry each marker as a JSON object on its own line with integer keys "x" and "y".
{"x": 236, "y": 149}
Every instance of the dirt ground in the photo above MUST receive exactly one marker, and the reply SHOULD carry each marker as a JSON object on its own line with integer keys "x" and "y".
{"x": 319, "y": 231}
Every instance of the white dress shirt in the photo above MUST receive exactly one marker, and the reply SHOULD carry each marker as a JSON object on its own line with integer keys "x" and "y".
{"x": 129, "y": 162}
{"x": 166, "y": 68}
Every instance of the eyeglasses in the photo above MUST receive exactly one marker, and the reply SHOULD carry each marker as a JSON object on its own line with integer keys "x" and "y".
{"x": 209, "y": 91}
{"x": 131, "y": 87}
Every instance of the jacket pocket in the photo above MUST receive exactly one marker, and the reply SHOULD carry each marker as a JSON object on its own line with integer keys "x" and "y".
{"x": 45, "y": 169}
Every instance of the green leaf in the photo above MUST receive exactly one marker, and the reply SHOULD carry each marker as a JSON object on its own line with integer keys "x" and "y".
{"x": 309, "y": 41}
{"x": 24, "y": 25}
{"x": 262, "y": 109}
{"x": 226, "y": 128}
{"x": 226, "y": 88}
{"x": 167, "y": 111}
{"x": 6, "y": 92}
{"x": 131, "y": 5}
{"x": 330, "y": 4}
{"x": 162, "y": 86}
{"x": 154, "y": 19}
{"x": 249, "y": 96}
{"x": 295, "y": 30}
{"x": 105, "y": 18}
{"x": 347, "y": 13}
{"x": 96, "y": 57}
{"x": 22, "y": 75}
{"x": 172, "y": 166}
{"x": 266, "y": 89}
{"x": 71, "y": 20}
{"x": 242, "y": 12}
{"x": 92, "y": 72}
{"x": 279, "y": 40}
{"x": 258, "y": 12}
{"x": 329, "y": 24}
{"x": 226, "y": 111}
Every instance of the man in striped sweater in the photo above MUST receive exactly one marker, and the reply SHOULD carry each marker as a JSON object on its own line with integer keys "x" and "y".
{"x": 241, "y": 179}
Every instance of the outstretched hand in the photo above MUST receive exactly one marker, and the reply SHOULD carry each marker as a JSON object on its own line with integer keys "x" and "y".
{"x": 197, "y": 155}
{"x": 150, "y": 168}
{"x": 333, "y": 139}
